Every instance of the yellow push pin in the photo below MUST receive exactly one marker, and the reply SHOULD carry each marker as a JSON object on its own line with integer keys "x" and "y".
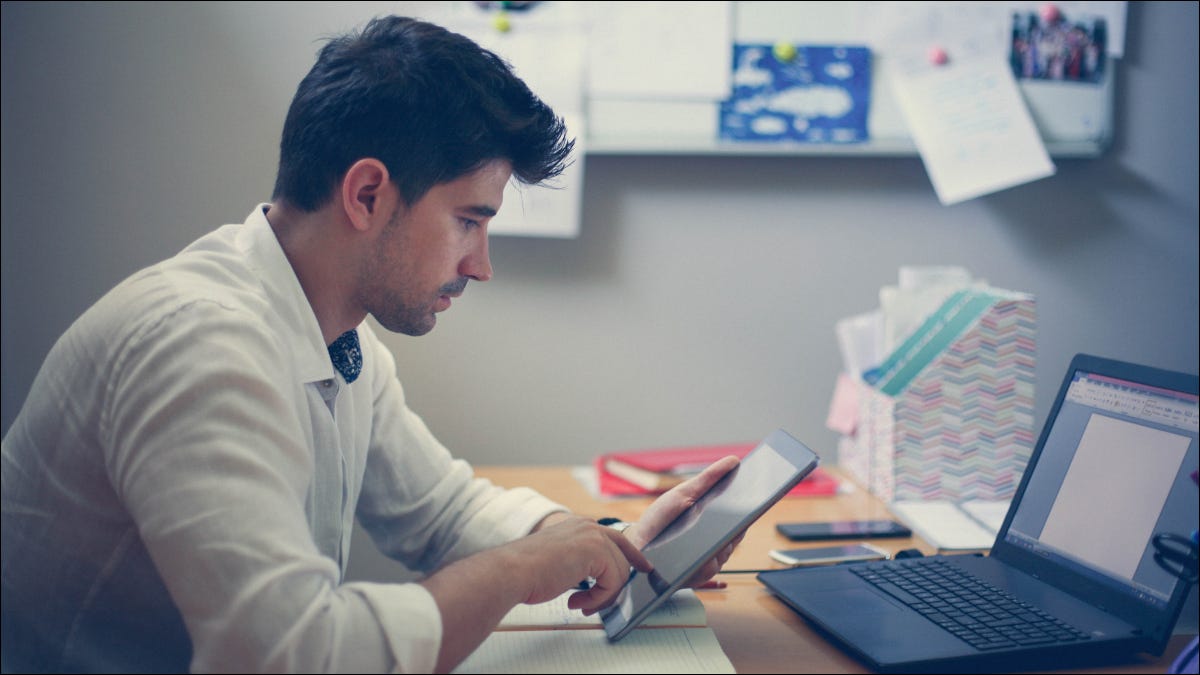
{"x": 501, "y": 22}
{"x": 784, "y": 51}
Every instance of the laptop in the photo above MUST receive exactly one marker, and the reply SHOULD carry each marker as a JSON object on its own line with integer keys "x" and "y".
{"x": 1091, "y": 567}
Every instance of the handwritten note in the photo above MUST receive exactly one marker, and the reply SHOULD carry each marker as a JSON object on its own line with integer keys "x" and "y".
{"x": 972, "y": 128}
{"x": 963, "y": 110}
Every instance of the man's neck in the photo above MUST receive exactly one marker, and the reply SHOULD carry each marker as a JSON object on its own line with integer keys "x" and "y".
{"x": 317, "y": 252}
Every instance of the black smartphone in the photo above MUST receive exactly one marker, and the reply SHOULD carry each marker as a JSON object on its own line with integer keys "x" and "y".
{"x": 843, "y": 529}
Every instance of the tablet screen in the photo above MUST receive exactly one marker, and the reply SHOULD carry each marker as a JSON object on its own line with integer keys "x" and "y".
{"x": 737, "y": 500}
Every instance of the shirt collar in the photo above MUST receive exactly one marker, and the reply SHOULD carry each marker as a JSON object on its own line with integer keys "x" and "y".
{"x": 282, "y": 288}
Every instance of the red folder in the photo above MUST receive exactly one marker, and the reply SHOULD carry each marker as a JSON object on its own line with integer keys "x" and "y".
{"x": 684, "y": 461}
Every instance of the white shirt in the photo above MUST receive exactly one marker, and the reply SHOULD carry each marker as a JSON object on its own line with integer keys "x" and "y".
{"x": 188, "y": 458}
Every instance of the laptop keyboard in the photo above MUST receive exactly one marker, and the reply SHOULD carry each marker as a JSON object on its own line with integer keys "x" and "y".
{"x": 977, "y": 613}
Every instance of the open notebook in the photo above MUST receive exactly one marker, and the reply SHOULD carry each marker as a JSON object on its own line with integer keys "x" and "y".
{"x": 1092, "y": 564}
{"x": 549, "y": 638}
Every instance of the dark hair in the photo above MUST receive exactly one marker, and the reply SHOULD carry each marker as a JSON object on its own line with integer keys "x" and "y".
{"x": 430, "y": 104}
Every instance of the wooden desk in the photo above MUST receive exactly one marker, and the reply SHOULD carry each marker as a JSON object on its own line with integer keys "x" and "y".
{"x": 757, "y": 631}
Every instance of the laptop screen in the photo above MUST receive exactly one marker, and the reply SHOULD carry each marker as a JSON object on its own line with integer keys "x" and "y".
{"x": 1111, "y": 497}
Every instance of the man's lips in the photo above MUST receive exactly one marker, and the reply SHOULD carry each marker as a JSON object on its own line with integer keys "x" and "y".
{"x": 451, "y": 290}
{"x": 445, "y": 300}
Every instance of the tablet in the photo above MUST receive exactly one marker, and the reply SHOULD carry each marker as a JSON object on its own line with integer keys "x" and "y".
{"x": 764, "y": 476}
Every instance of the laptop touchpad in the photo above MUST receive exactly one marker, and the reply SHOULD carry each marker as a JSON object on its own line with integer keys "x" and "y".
{"x": 861, "y": 600}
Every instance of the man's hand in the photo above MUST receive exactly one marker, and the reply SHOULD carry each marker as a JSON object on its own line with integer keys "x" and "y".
{"x": 674, "y": 502}
{"x": 574, "y": 549}
{"x": 474, "y": 593}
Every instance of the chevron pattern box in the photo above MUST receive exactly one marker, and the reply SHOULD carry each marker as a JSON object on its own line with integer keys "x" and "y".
{"x": 950, "y": 414}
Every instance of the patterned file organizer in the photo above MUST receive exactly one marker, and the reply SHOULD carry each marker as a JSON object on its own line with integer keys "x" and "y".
{"x": 950, "y": 414}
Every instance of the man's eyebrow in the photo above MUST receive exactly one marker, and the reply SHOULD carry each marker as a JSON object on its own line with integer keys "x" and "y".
{"x": 482, "y": 211}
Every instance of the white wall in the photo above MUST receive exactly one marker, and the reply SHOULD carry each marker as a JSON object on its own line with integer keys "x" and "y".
{"x": 698, "y": 304}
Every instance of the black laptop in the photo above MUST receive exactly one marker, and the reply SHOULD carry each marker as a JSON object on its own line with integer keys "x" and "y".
{"x": 1091, "y": 567}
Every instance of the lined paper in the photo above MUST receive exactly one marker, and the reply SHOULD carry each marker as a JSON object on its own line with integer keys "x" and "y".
{"x": 645, "y": 650}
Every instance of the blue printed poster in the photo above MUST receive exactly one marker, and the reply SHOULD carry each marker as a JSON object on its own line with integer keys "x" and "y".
{"x": 820, "y": 95}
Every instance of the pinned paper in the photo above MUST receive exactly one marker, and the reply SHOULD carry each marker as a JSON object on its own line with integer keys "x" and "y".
{"x": 524, "y": 38}
{"x": 964, "y": 111}
{"x": 972, "y": 128}
{"x": 810, "y": 94}
{"x": 1048, "y": 45}
{"x": 843, "y": 409}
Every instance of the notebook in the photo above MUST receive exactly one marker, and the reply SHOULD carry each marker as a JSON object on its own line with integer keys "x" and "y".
{"x": 1088, "y": 568}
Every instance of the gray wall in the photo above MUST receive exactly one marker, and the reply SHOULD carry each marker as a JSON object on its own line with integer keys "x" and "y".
{"x": 698, "y": 304}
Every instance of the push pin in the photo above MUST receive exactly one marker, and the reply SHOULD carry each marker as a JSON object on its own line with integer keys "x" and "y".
{"x": 501, "y": 22}
{"x": 937, "y": 56}
{"x": 784, "y": 52}
{"x": 1050, "y": 14}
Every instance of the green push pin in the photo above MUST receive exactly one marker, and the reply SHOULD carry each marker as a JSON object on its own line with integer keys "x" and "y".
{"x": 784, "y": 51}
{"x": 501, "y": 22}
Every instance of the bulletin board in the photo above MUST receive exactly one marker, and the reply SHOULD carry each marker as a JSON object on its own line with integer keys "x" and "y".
{"x": 671, "y": 78}
{"x": 1073, "y": 111}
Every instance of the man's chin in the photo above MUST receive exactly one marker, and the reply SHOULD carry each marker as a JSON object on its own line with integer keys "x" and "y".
{"x": 407, "y": 326}
{"x": 418, "y": 331}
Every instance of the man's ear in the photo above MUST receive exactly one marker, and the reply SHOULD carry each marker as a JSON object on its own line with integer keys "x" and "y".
{"x": 363, "y": 193}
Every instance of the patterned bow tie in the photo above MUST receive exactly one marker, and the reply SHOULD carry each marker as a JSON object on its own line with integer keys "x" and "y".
{"x": 347, "y": 356}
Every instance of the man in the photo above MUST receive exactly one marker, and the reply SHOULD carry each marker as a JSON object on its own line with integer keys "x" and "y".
{"x": 180, "y": 486}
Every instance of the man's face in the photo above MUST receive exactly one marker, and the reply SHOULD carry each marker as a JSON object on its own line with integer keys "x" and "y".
{"x": 427, "y": 252}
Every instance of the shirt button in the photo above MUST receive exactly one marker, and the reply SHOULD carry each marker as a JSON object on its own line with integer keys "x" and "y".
{"x": 327, "y": 383}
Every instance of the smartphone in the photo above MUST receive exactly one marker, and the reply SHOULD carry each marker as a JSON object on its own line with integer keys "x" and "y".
{"x": 842, "y": 529}
{"x": 828, "y": 555}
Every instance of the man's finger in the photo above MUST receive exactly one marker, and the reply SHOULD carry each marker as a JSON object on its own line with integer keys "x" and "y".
{"x": 714, "y": 472}
{"x": 633, "y": 554}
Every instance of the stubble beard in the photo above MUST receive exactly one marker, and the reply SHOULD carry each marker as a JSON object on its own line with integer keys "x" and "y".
{"x": 388, "y": 306}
